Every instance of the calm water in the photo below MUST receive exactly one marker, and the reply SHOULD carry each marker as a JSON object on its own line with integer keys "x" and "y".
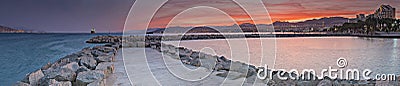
{"x": 24, "y": 53}
{"x": 379, "y": 55}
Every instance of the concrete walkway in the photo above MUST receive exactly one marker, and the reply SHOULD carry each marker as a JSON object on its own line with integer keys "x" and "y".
{"x": 147, "y": 67}
{"x": 119, "y": 78}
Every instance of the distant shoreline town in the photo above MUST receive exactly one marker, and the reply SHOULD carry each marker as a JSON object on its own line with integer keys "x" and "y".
{"x": 382, "y": 21}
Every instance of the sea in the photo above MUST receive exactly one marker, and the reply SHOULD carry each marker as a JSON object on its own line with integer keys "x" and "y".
{"x": 21, "y": 54}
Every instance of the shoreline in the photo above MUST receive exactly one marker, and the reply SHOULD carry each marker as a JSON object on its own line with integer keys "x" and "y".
{"x": 75, "y": 69}
{"x": 172, "y": 37}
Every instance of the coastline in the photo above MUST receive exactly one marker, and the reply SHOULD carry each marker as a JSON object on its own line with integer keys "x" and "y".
{"x": 172, "y": 37}
{"x": 107, "y": 69}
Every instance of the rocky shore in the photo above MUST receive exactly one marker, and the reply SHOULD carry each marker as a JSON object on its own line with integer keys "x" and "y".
{"x": 239, "y": 69}
{"x": 105, "y": 39}
{"x": 92, "y": 66}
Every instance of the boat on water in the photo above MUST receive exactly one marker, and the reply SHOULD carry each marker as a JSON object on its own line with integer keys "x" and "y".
{"x": 93, "y": 31}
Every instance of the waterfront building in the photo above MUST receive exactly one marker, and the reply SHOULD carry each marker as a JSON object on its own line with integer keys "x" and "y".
{"x": 384, "y": 11}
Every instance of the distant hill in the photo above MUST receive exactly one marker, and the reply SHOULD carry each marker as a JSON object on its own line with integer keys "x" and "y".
{"x": 316, "y": 24}
{"x": 4, "y": 29}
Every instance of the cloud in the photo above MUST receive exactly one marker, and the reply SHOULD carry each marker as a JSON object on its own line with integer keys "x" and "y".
{"x": 286, "y": 10}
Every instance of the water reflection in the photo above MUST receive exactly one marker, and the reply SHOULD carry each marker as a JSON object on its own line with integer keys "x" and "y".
{"x": 379, "y": 55}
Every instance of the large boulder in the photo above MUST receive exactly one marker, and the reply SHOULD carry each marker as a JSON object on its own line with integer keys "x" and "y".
{"x": 105, "y": 49}
{"x": 154, "y": 45}
{"x": 106, "y": 67}
{"x": 66, "y": 72}
{"x": 185, "y": 59}
{"x": 68, "y": 59}
{"x": 60, "y": 74}
{"x": 184, "y": 51}
{"x": 89, "y": 62}
{"x": 75, "y": 57}
{"x": 195, "y": 62}
{"x": 105, "y": 58}
{"x": 195, "y": 54}
{"x": 34, "y": 77}
{"x": 81, "y": 69}
{"x": 252, "y": 71}
{"x": 72, "y": 66}
{"x": 59, "y": 63}
{"x": 86, "y": 77}
{"x": 97, "y": 53}
{"x": 54, "y": 82}
{"x": 223, "y": 64}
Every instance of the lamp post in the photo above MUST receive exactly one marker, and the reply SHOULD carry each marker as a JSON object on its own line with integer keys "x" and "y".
{"x": 365, "y": 29}
{"x": 393, "y": 26}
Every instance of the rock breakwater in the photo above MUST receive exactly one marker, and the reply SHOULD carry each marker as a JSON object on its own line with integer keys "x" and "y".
{"x": 105, "y": 39}
{"x": 238, "y": 69}
{"x": 89, "y": 67}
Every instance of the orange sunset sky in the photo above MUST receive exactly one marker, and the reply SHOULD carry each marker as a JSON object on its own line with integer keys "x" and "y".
{"x": 69, "y": 16}
{"x": 279, "y": 10}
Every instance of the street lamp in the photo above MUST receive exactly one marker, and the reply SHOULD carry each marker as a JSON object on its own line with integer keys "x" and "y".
{"x": 366, "y": 28}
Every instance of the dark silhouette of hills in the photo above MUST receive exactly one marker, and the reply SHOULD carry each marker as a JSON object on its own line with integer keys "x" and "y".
{"x": 4, "y": 29}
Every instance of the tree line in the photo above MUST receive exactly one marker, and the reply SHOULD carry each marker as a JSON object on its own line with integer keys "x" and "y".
{"x": 369, "y": 26}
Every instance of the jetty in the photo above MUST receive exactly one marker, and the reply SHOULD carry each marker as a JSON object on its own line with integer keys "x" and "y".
{"x": 92, "y": 66}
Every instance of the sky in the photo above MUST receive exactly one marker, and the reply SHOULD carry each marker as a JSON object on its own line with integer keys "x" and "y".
{"x": 65, "y": 15}
{"x": 110, "y": 15}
